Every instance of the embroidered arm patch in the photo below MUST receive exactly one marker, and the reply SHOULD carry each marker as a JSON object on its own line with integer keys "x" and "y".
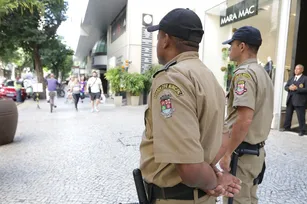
{"x": 240, "y": 87}
{"x": 166, "y": 105}
{"x": 166, "y": 93}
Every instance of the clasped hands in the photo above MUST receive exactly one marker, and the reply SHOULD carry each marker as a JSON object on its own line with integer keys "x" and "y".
{"x": 293, "y": 87}
{"x": 227, "y": 184}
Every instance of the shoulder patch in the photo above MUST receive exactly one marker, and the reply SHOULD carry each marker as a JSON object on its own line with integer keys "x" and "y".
{"x": 166, "y": 106}
{"x": 175, "y": 89}
{"x": 242, "y": 75}
{"x": 240, "y": 87}
{"x": 165, "y": 68}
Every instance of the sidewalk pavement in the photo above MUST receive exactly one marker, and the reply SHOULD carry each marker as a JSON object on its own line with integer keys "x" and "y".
{"x": 70, "y": 157}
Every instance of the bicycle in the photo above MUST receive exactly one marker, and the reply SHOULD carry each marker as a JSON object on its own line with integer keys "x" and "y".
{"x": 60, "y": 91}
{"x": 52, "y": 96}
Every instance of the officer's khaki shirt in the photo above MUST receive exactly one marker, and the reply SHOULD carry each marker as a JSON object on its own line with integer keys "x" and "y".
{"x": 251, "y": 87}
{"x": 184, "y": 119}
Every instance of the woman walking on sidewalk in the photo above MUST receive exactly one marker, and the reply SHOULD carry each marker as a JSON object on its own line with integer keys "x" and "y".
{"x": 75, "y": 88}
{"x": 83, "y": 88}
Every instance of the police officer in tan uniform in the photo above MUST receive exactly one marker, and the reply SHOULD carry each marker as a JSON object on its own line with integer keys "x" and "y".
{"x": 184, "y": 119}
{"x": 249, "y": 112}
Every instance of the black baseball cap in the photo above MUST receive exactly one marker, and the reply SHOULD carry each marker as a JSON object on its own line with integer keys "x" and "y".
{"x": 181, "y": 23}
{"x": 247, "y": 34}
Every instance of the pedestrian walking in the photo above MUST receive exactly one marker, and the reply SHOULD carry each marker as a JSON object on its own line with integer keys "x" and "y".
{"x": 69, "y": 98}
{"x": 83, "y": 88}
{"x": 75, "y": 88}
{"x": 94, "y": 88}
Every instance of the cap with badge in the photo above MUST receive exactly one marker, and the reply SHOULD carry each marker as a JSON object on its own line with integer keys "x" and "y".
{"x": 247, "y": 34}
{"x": 181, "y": 23}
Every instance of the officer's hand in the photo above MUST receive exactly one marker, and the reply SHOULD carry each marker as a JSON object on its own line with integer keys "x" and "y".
{"x": 218, "y": 191}
{"x": 294, "y": 88}
{"x": 225, "y": 163}
{"x": 230, "y": 183}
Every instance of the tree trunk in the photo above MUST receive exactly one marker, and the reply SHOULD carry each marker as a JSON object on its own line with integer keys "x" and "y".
{"x": 39, "y": 70}
{"x": 56, "y": 73}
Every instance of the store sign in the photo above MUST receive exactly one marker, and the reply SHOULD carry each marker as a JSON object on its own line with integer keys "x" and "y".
{"x": 238, "y": 12}
{"x": 146, "y": 53}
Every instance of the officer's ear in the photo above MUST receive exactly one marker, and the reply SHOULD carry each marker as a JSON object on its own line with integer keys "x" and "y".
{"x": 165, "y": 39}
{"x": 242, "y": 46}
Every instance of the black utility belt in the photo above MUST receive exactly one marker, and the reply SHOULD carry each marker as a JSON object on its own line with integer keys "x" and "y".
{"x": 251, "y": 149}
{"x": 178, "y": 192}
{"x": 245, "y": 145}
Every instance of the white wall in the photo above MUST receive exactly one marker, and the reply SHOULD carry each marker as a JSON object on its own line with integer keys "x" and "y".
{"x": 214, "y": 36}
{"x": 100, "y": 60}
{"x": 158, "y": 9}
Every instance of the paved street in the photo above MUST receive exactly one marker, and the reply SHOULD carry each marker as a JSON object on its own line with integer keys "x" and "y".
{"x": 84, "y": 157}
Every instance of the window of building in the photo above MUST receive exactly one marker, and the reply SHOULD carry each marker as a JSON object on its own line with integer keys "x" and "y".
{"x": 118, "y": 26}
{"x": 100, "y": 47}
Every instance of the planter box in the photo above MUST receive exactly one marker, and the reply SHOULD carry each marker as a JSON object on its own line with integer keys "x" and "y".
{"x": 8, "y": 121}
{"x": 135, "y": 100}
{"x": 118, "y": 100}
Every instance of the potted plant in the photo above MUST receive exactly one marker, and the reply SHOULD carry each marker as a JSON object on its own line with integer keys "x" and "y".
{"x": 134, "y": 84}
{"x": 148, "y": 76}
{"x": 148, "y": 79}
{"x": 115, "y": 78}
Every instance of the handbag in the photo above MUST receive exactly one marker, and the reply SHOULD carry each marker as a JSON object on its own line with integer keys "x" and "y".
{"x": 103, "y": 98}
{"x": 82, "y": 96}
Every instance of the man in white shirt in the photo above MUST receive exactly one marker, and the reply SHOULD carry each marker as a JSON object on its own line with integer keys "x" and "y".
{"x": 297, "y": 99}
{"x": 94, "y": 88}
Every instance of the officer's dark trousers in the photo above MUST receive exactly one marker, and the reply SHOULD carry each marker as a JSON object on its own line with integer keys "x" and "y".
{"x": 300, "y": 112}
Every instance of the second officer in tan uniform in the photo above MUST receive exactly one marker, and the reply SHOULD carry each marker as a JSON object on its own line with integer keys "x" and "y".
{"x": 249, "y": 112}
{"x": 184, "y": 119}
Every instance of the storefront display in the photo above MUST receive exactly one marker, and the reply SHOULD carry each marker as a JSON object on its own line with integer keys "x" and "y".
{"x": 226, "y": 21}
{"x": 281, "y": 25}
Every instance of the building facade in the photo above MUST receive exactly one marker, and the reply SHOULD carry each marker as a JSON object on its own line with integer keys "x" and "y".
{"x": 121, "y": 26}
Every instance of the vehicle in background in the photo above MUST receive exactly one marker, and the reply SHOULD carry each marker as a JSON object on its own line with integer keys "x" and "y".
{"x": 7, "y": 90}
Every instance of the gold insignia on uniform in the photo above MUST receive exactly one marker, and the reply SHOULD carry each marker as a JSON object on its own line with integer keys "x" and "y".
{"x": 240, "y": 88}
{"x": 243, "y": 75}
{"x": 175, "y": 89}
{"x": 301, "y": 86}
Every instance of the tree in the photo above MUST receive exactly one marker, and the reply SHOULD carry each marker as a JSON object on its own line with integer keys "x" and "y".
{"x": 57, "y": 56}
{"x": 32, "y": 30}
{"x": 7, "y": 6}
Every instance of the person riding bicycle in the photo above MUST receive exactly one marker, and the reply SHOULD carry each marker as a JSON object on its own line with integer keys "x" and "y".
{"x": 52, "y": 86}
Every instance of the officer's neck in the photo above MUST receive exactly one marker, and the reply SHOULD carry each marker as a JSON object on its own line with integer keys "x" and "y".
{"x": 246, "y": 57}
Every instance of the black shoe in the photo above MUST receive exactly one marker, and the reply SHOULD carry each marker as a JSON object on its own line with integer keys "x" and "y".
{"x": 54, "y": 106}
{"x": 48, "y": 101}
{"x": 301, "y": 134}
{"x": 285, "y": 129}
{"x": 76, "y": 109}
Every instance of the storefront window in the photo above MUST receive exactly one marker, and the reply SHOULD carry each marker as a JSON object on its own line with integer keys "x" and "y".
{"x": 291, "y": 43}
{"x": 222, "y": 20}
{"x": 100, "y": 47}
{"x": 291, "y": 49}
